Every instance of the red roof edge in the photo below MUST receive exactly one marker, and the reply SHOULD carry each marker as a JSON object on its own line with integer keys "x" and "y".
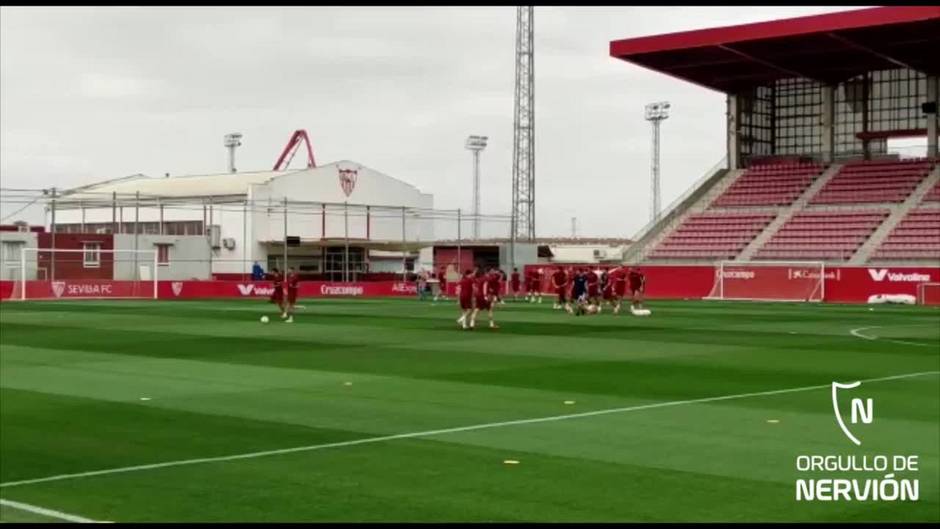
{"x": 842, "y": 20}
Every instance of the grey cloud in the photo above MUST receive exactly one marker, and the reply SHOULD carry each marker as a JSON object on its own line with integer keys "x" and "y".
{"x": 94, "y": 93}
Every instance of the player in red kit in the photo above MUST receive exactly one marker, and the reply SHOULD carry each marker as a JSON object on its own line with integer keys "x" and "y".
{"x": 593, "y": 289}
{"x": 493, "y": 281}
{"x": 560, "y": 284}
{"x": 481, "y": 299}
{"x": 442, "y": 282}
{"x": 465, "y": 298}
{"x": 514, "y": 284}
{"x": 618, "y": 277}
{"x": 293, "y": 282}
{"x": 277, "y": 297}
{"x": 637, "y": 282}
{"x": 535, "y": 286}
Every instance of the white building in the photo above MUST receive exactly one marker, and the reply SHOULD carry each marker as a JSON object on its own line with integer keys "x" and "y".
{"x": 336, "y": 209}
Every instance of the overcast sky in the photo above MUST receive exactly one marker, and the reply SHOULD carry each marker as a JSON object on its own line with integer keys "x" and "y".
{"x": 88, "y": 94}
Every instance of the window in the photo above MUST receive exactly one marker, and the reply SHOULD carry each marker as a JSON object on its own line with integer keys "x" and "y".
{"x": 11, "y": 251}
{"x": 163, "y": 254}
{"x": 92, "y": 254}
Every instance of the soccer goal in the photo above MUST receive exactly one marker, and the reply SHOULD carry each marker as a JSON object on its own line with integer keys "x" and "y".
{"x": 89, "y": 273}
{"x": 928, "y": 294}
{"x": 769, "y": 281}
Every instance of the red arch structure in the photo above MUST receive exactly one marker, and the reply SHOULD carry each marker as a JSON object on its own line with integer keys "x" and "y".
{"x": 283, "y": 161}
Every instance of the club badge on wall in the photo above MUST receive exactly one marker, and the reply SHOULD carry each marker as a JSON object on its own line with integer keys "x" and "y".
{"x": 347, "y": 179}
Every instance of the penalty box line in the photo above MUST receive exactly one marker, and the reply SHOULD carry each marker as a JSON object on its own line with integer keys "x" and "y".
{"x": 428, "y": 433}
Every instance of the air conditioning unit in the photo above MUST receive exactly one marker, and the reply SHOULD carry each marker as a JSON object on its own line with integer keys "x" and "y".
{"x": 215, "y": 237}
{"x": 228, "y": 243}
{"x": 600, "y": 254}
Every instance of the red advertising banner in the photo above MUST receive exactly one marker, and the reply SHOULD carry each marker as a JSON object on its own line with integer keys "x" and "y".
{"x": 96, "y": 288}
{"x": 843, "y": 284}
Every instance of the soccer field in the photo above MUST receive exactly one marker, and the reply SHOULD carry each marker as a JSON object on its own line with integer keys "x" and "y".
{"x": 382, "y": 410}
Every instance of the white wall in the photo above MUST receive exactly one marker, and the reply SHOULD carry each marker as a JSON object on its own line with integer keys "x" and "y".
{"x": 189, "y": 256}
{"x": 10, "y": 269}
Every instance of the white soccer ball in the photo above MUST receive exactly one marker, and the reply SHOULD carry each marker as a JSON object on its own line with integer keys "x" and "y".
{"x": 264, "y": 319}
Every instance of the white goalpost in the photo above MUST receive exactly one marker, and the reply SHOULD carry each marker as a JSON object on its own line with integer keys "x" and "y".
{"x": 89, "y": 273}
{"x": 769, "y": 281}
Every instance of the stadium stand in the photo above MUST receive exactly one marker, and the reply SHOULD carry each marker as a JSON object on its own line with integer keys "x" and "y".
{"x": 770, "y": 185}
{"x": 873, "y": 182}
{"x": 712, "y": 235}
{"x": 822, "y": 235}
{"x": 916, "y": 237}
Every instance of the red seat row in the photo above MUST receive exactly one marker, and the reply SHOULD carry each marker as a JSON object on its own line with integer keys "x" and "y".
{"x": 829, "y": 235}
{"x": 712, "y": 235}
{"x": 774, "y": 185}
{"x": 882, "y": 181}
{"x": 916, "y": 237}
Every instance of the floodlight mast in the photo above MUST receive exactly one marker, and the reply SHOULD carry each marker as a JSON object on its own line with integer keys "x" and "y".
{"x": 655, "y": 114}
{"x": 232, "y": 141}
{"x": 476, "y": 144}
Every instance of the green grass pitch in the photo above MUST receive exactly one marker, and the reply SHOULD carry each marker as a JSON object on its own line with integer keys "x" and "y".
{"x": 74, "y": 377}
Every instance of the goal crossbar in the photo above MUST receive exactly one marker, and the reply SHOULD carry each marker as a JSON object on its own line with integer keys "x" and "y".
{"x": 777, "y": 281}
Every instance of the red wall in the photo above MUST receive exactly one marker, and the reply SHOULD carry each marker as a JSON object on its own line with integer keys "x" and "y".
{"x": 70, "y": 265}
{"x": 96, "y": 288}
{"x": 845, "y": 284}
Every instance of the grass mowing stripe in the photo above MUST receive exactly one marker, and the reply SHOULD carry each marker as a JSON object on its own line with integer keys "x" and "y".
{"x": 45, "y": 512}
{"x": 428, "y": 433}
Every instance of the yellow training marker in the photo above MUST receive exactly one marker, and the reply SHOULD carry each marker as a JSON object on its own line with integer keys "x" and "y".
{"x": 510, "y": 462}
{"x": 347, "y": 383}
{"x": 569, "y": 402}
{"x": 773, "y": 421}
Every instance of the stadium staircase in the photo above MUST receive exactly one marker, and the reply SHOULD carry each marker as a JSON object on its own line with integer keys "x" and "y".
{"x": 787, "y": 212}
{"x": 899, "y": 213}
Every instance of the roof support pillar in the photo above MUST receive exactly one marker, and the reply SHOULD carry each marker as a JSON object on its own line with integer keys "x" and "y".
{"x": 827, "y": 118}
{"x": 734, "y": 124}
{"x": 933, "y": 94}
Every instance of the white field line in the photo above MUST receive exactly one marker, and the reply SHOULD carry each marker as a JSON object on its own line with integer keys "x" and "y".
{"x": 45, "y": 512}
{"x": 428, "y": 433}
{"x": 858, "y": 334}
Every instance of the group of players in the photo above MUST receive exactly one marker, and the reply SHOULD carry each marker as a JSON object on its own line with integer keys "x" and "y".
{"x": 579, "y": 291}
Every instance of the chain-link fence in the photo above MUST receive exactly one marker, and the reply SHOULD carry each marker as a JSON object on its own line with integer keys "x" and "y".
{"x": 232, "y": 237}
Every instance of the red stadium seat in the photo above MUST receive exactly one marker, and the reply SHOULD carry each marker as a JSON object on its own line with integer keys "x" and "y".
{"x": 769, "y": 185}
{"x": 822, "y": 235}
{"x": 916, "y": 237}
{"x": 712, "y": 235}
{"x": 873, "y": 182}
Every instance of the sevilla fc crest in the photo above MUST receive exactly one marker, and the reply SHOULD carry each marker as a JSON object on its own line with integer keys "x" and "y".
{"x": 177, "y": 287}
{"x": 347, "y": 179}
{"x": 58, "y": 288}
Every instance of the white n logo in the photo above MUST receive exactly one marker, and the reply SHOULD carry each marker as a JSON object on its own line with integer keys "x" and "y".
{"x": 862, "y": 410}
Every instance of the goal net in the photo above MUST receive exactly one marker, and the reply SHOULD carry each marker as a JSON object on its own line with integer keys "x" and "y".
{"x": 769, "y": 281}
{"x": 928, "y": 294}
{"x": 90, "y": 273}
